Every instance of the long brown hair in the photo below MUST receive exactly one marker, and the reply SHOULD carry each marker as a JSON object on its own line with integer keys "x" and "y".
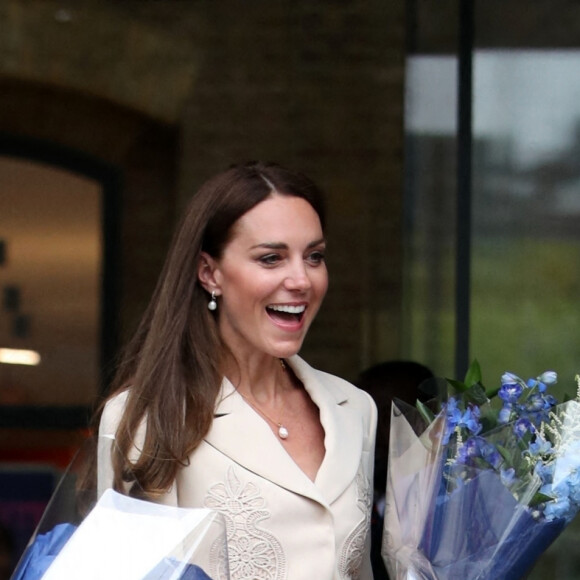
{"x": 172, "y": 365}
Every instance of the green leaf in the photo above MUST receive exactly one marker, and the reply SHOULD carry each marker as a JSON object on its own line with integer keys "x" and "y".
{"x": 523, "y": 442}
{"x": 473, "y": 375}
{"x": 507, "y": 456}
{"x": 476, "y": 394}
{"x": 425, "y": 412}
{"x": 522, "y": 471}
{"x": 540, "y": 498}
{"x": 458, "y": 386}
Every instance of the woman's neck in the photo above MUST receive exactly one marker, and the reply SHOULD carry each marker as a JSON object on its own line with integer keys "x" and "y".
{"x": 263, "y": 378}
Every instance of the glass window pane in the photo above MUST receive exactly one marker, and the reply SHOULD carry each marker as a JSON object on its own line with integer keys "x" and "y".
{"x": 526, "y": 211}
{"x": 430, "y": 193}
{"x": 526, "y": 240}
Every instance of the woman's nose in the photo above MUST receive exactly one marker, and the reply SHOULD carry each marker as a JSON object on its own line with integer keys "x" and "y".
{"x": 297, "y": 278}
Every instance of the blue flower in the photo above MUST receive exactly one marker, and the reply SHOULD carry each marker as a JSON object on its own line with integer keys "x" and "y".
{"x": 469, "y": 450}
{"x": 490, "y": 454}
{"x": 567, "y": 465}
{"x": 507, "y": 476}
{"x": 510, "y": 392}
{"x": 540, "y": 447}
{"x": 574, "y": 486}
{"x": 505, "y": 414}
{"x": 544, "y": 471}
{"x": 453, "y": 415}
{"x": 543, "y": 381}
{"x": 468, "y": 419}
{"x": 451, "y": 409}
{"x": 536, "y": 446}
{"x": 479, "y": 448}
{"x": 532, "y": 383}
{"x": 523, "y": 426}
{"x": 557, "y": 508}
{"x": 535, "y": 403}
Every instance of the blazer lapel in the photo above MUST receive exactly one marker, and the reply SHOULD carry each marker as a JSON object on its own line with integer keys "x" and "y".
{"x": 238, "y": 434}
{"x": 343, "y": 429}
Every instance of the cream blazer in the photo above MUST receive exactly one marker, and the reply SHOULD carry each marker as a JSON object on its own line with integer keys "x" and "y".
{"x": 280, "y": 524}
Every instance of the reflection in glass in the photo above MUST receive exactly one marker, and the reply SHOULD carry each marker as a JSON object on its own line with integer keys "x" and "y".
{"x": 430, "y": 193}
{"x": 526, "y": 212}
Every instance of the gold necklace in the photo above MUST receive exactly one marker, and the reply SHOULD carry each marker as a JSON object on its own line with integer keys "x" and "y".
{"x": 283, "y": 432}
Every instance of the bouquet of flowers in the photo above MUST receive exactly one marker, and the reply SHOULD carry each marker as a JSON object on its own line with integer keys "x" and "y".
{"x": 481, "y": 483}
{"x": 120, "y": 537}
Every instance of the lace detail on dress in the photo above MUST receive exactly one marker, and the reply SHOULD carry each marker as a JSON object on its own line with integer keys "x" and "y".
{"x": 353, "y": 549}
{"x": 253, "y": 552}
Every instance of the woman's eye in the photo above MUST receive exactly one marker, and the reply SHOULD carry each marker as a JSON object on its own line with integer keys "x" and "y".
{"x": 269, "y": 259}
{"x": 316, "y": 257}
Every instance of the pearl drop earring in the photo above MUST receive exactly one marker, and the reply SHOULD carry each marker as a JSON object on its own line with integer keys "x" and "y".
{"x": 212, "y": 304}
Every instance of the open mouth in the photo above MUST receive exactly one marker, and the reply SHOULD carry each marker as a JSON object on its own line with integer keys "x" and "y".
{"x": 286, "y": 312}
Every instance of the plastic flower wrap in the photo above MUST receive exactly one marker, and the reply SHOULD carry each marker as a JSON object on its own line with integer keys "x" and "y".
{"x": 481, "y": 486}
{"x": 120, "y": 537}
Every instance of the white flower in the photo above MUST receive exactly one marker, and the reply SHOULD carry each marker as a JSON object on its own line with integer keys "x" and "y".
{"x": 548, "y": 377}
{"x": 510, "y": 379}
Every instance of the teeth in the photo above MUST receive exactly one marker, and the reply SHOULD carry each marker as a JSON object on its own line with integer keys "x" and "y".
{"x": 288, "y": 309}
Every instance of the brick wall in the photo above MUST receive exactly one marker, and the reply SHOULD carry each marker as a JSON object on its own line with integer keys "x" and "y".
{"x": 319, "y": 87}
{"x": 170, "y": 92}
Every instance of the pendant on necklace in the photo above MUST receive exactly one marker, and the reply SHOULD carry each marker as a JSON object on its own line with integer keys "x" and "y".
{"x": 282, "y": 431}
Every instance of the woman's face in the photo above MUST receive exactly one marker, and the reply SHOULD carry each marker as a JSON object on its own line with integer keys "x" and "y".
{"x": 271, "y": 278}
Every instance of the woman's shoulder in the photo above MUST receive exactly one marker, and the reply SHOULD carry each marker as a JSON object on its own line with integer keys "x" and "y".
{"x": 112, "y": 413}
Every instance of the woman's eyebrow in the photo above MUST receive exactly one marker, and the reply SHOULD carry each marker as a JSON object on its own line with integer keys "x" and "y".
{"x": 283, "y": 246}
{"x": 319, "y": 242}
{"x": 271, "y": 246}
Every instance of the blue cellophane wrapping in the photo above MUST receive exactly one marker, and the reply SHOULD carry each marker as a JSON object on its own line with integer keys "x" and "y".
{"x": 481, "y": 531}
{"x": 40, "y": 554}
{"x": 478, "y": 531}
{"x": 168, "y": 567}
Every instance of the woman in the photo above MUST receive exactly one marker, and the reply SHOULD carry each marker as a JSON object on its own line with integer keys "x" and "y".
{"x": 213, "y": 407}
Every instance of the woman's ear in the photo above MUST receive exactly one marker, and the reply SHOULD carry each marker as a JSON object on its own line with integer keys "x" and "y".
{"x": 206, "y": 273}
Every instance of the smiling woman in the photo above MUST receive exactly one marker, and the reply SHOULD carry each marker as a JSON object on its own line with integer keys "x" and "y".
{"x": 270, "y": 279}
{"x": 213, "y": 407}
